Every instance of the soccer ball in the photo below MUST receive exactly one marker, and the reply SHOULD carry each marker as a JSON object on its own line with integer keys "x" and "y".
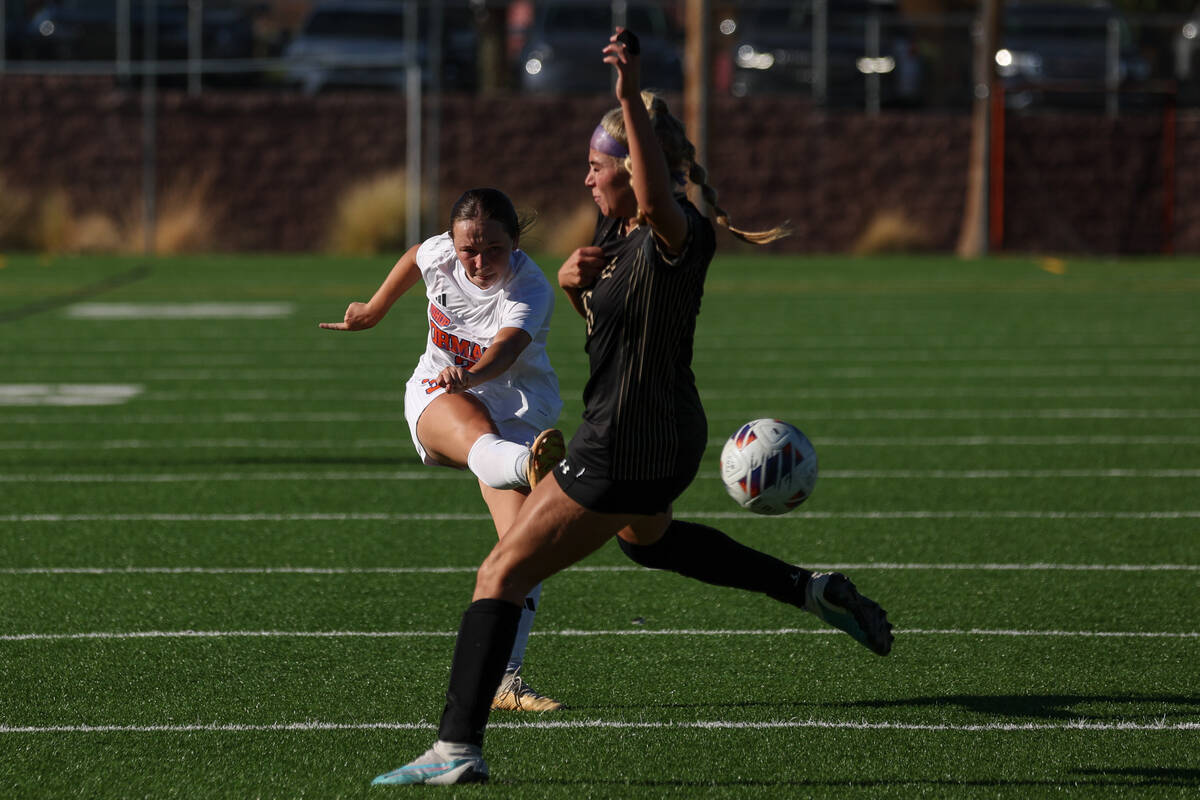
{"x": 768, "y": 466}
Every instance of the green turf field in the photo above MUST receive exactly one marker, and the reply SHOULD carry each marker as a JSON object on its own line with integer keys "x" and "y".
{"x": 223, "y": 572}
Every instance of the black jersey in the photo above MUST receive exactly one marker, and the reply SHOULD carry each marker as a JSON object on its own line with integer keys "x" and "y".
{"x": 642, "y": 413}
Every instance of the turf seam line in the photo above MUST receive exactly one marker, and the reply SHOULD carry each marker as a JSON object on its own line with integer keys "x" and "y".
{"x": 808, "y": 414}
{"x": 476, "y": 517}
{"x": 880, "y": 565}
{"x": 67, "y": 298}
{"x": 433, "y": 475}
{"x": 1173, "y": 440}
{"x": 312, "y": 725}
{"x": 192, "y": 634}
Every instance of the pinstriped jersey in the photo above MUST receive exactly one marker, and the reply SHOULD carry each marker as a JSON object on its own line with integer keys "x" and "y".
{"x": 640, "y": 399}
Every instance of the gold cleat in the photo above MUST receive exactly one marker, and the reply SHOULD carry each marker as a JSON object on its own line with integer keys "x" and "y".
{"x": 515, "y": 694}
{"x": 544, "y": 454}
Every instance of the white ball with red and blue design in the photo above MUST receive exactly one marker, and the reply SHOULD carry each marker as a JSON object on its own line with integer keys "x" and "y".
{"x": 769, "y": 466}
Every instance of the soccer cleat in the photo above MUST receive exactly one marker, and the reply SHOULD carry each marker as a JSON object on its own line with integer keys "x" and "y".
{"x": 832, "y": 597}
{"x": 544, "y": 454}
{"x": 515, "y": 694}
{"x": 437, "y": 769}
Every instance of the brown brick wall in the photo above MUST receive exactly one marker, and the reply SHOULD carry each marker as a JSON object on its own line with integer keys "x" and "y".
{"x": 277, "y": 162}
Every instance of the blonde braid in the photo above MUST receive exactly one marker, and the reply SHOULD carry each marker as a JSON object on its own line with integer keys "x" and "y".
{"x": 681, "y": 160}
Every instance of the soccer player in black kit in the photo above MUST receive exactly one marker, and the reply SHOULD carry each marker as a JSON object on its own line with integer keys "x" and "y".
{"x": 643, "y": 432}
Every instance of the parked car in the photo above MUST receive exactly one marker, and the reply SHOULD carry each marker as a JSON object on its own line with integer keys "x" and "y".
{"x": 362, "y": 44}
{"x": 562, "y": 52}
{"x": 1058, "y": 54}
{"x": 86, "y": 30}
{"x": 773, "y": 52}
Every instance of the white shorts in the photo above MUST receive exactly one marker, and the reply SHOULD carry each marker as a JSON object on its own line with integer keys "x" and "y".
{"x": 503, "y": 404}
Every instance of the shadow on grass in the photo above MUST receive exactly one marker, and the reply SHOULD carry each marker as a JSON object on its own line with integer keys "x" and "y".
{"x": 1046, "y": 706}
{"x": 1049, "y": 707}
{"x": 1106, "y": 777}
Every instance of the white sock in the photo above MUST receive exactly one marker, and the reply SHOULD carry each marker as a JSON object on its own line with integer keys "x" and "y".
{"x": 498, "y": 462}
{"x": 528, "y": 612}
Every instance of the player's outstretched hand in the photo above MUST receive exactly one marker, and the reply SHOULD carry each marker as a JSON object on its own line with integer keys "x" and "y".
{"x": 580, "y": 269}
{"x": 357, "y": 319}
{"x": 624, "y": 54}
{"x": 454, "y": 379}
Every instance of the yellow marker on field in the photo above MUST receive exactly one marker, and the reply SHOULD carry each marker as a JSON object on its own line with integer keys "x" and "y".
{"x": 1055, "y": 266}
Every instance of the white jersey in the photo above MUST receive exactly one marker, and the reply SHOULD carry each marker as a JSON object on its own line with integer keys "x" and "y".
{"x": 464, "y": 319}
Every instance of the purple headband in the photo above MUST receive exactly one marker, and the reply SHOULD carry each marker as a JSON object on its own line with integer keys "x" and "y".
{"x": 605, "y": 143}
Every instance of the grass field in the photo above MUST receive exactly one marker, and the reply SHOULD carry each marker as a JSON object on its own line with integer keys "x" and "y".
{"x": 223, "y": 572}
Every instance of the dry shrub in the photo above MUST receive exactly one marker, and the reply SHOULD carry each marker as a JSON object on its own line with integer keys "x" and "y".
{"x": 50, "y": 224}
{"x": 891, "y": 232}
{"x": 16, "y": 209}
{"x": 96, "y": 233}
{"x": 183, "y": 221}
{"x": 370, "y": 216}
{"x": 561, "y": 234}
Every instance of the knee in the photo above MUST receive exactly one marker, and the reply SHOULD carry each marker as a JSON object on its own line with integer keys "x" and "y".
{"x": 496, "y": 580}
{"x": 653, "y": 556}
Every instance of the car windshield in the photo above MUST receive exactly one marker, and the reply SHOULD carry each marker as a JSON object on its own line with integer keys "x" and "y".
{"x": 356, "y": 25}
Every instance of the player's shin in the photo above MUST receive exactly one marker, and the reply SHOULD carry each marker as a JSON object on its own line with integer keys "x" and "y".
{"x": 517, "y": 657}
{"x": 485, "y": 640}
{"x": 706, "y": 554}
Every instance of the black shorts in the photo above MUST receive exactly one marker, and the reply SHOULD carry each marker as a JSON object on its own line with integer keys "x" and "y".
{"x": 596, "y": 492}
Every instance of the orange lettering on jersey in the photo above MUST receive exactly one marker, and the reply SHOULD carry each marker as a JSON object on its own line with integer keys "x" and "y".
{"x": 437, "y": 315}
{"x": 465, "y": 351}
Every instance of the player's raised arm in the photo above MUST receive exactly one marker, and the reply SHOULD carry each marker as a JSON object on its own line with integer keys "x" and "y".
{"x": 650, "y": 175}
{"x": 360, "y": 316}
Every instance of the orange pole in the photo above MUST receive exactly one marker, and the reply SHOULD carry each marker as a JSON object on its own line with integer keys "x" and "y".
{"x": 1169, "y": 174}
{"x": 996, "y": 170}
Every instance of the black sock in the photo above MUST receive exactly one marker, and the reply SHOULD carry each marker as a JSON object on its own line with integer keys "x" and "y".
{"x": 485, "y": 638}
{"x": 708, "y": 555}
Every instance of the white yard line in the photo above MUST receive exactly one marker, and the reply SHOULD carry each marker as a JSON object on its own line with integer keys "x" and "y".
{"x": 446, "y": 474}
{"x": 478, "y": 517}
{"x": 934, "y": 414}
{"x": 1169, "y": 440}
{"x": 593, "y": 724}
{"x": 144, "y": 311}
{"x": 188, "y": 634}
{"x": 726, "y": 377}
{"x": 982, "y": 567}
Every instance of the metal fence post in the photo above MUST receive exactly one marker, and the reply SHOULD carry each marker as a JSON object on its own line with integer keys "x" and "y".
{"x": 149, "y": 126}
{"x": 1112, "y": 62}
{"x": 195, "y": 45}
{"x": 820, "y": 52}
{"x": 412, "y": 95}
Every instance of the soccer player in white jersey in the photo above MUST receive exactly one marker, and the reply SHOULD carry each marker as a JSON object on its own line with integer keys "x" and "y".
{"x": 483, "y": 396}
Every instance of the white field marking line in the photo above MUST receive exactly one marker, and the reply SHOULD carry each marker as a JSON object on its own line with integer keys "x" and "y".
{"x": 727, "y": 376}
{"x": 593, "y": 724}
{"x": 188, "y": 634}
{"x": 767, "y": 349}
{"x": 350, "y": 516}
{"x": 1107, "y": 390}
{"x": 984, "y": 567}
{"x": 703, "y": 359}
{"x": 58, "y": 395}
{"x": 142, "y": 311}
{"x": 406, "y": 444}
{"x": 243, "y": 418}
{"x": 434, "y": 474}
